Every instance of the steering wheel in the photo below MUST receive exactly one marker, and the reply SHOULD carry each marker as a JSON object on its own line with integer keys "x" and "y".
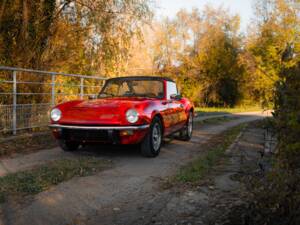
{"x": 128, "y": 94}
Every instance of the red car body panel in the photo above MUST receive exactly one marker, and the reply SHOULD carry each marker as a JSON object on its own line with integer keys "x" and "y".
{"x": 111, "y": 112}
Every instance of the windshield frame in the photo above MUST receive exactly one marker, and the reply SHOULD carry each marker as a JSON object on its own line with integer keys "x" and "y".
{"x": 134, "y": 79}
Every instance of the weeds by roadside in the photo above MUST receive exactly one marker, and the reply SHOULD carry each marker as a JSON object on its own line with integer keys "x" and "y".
{"x": 198, "y": 168}
{"x": 26, "y": 143}
{"x": 217, "y": 120}
{"x": 41, "y": 178}
{"x": 215, "y": 110}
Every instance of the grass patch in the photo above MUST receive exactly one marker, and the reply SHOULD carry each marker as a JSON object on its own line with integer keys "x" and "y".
{"x": 195, "y": 170}
{"x": 216, "y": 120}
{"x": 215, "y": 110}
{"x": 41, "y": 178}
{"x": 26, "y": 143}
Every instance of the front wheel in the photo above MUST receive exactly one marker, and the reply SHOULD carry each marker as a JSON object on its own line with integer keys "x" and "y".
{"x": 187, "y": 131}
{"x": 150, "y": 146}
{"x": 68, "y": 146}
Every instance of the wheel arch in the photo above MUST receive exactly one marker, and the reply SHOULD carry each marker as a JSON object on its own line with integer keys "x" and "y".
{"x": 190, "y": 109}
{"x": 158, "y": 115}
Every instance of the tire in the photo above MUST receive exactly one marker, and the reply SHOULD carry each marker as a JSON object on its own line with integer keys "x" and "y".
{"x": 150, "y": 146}
{"x": 68, "y": 146}
{"x": 187, "y": 132}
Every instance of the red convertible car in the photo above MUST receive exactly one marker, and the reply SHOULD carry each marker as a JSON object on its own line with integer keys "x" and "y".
{"x": 128, "y": 110}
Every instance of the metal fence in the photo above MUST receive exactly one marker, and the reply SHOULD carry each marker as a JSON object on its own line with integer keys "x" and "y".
{"x": 26, "y": 95}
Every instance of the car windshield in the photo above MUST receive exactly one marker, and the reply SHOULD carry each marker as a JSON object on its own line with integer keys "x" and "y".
{"x": 132, "y": 88}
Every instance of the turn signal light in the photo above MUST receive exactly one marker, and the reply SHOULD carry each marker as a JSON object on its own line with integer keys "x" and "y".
{"x": 126, "y": 132}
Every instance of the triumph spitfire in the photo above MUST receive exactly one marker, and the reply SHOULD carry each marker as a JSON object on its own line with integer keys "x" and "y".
{"x": 128, "y": 110}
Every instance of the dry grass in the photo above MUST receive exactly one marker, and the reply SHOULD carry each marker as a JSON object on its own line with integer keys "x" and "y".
{"x": 41, "y": 178}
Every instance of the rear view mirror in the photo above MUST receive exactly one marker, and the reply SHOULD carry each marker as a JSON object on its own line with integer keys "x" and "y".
{"x": 92, "y": 97}
{"x": 175, "y": 97}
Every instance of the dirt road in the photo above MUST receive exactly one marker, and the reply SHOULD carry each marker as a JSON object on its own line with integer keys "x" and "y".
{"x": 126, "y": 194}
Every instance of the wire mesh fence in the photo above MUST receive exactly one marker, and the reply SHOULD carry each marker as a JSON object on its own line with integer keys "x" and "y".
{"x": 28, "y": 116}
{"x": 26, "y": 96}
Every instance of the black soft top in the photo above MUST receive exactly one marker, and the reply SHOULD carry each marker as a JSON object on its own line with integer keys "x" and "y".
{"x": 140, "y": 78}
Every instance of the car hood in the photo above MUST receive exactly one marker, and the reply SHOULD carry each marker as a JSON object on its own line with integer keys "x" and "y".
{"x": 107, "y": 103}
{"x": 110, "y": 111}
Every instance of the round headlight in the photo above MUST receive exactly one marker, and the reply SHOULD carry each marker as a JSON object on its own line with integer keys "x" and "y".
{"x": 132, "y": 115}
{"x": 55, "y": 114}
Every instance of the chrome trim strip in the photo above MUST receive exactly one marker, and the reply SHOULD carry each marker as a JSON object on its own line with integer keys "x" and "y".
{"x": 100, "y": 127}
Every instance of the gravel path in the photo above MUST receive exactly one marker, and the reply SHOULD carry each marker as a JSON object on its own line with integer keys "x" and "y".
{"x": 115, "y": 196}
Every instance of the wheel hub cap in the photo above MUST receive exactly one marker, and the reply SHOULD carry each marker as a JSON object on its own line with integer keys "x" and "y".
{"x": 190, "y": 125}
{"x": 156, "y": 137}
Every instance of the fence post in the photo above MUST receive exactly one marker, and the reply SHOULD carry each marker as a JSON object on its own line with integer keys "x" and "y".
{"x": 14, "y": 119}
{"x": 53, "y": 90}
{"x": 81, "y": 88}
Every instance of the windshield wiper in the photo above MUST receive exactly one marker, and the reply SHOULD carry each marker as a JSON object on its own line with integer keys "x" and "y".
{"x": 105, "y": 95}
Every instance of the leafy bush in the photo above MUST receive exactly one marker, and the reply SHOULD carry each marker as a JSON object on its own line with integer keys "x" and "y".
{"x": 276, "y": 197}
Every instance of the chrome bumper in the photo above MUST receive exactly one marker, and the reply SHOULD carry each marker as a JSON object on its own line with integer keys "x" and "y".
{"x": 141, "y": 127}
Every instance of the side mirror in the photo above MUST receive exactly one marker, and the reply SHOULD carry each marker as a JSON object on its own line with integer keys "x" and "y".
{"x": 176, "y": 97}
{"x": 92, "y": 97}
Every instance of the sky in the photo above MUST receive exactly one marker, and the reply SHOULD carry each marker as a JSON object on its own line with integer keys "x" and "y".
{"x": 242, "y": 7}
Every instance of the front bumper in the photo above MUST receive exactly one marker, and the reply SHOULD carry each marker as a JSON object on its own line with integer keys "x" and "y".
{"x": 140, "y": 127}
{"x": 102, "y": 134}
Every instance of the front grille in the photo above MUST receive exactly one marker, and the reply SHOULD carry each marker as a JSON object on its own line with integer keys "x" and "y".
{"x": 87, "y": 135}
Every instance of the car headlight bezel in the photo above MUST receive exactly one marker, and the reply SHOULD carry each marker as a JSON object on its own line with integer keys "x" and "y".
{"x": 132, "y": 116}
{"x": 55, "y": 114}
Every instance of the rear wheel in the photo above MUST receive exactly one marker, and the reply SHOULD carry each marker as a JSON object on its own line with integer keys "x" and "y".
{"x": 187, "y": 131}
{"x": 150, "y": 146}
{"x": 68, "y": 146}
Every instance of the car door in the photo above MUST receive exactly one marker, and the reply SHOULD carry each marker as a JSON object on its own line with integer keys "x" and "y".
{"x": 177, "y": 115}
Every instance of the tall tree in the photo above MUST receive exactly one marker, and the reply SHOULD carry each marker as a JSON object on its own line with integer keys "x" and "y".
{"x": 277, "y": 26}
{"x": 29, "y": 29}
{"x": 25, "y": 28}
{"x": 75, "y": 36}
{"x": 201, "y": 50}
